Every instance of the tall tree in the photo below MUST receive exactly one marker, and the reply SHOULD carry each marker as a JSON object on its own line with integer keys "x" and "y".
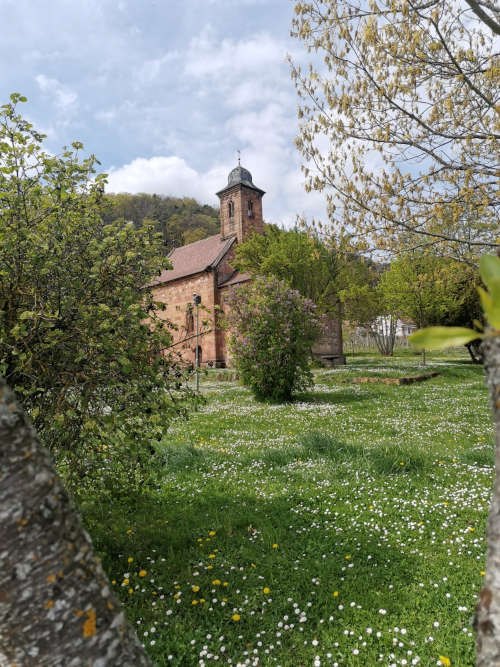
{"x": 364, "y": 305}
{"x": 80, "y": 334}
{"x": 406, "y": 96}
{"x": 56, "y": 604}
{"x": 427, "y": 289}
{"x": 317, "y": 269}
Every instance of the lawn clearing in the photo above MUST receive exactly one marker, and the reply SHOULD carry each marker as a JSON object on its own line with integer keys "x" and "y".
{"x": 345, "y": 528}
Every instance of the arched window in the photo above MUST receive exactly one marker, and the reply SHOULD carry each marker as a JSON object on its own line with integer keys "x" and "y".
{"x": 189, "y": 319}
{"x": 250, "y": 209}
{"x": 231, "y": 209}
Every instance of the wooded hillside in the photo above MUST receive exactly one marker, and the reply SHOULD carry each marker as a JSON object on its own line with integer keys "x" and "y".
{"x": 180, "y": 220}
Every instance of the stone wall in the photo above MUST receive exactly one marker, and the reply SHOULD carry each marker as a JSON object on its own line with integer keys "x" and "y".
{"x": 177, "y": 294}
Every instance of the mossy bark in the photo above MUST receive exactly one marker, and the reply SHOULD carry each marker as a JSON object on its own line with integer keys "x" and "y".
{"x": 56, "y": 604}
{"x": 487, "y": 617}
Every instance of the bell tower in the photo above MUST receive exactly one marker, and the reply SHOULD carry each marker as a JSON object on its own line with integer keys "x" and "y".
{"x": 240, "y": 205}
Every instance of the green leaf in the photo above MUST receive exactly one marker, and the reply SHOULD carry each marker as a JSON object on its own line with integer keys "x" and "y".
{"x": 486, "y": 300}
{"x": 489, "y": 268}
{"x": 27, "y": 315}
{"x": 439, "y": 338}
{"x": 491, "y": 303}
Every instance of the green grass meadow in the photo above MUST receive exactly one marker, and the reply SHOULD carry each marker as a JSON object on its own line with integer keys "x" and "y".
{"x": 345, "y": 528}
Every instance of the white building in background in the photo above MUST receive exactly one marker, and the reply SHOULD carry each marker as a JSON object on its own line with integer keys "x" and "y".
{"x": 405, "y": 327}
{"x": 383, "y": 325}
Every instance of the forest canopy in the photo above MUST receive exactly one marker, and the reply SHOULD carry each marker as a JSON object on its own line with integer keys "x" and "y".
{"x": 181, "y": 220}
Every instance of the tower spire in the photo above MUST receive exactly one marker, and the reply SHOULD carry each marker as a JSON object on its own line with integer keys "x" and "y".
{"x": 239, "y": 157}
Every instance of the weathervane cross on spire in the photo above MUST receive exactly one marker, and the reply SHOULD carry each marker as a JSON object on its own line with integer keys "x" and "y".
{"x": 239, "y": 157}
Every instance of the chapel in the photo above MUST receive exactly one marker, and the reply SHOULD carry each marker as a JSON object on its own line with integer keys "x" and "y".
{"x": 204, "y": 268}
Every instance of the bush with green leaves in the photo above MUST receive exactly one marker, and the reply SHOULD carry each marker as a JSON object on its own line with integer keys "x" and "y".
{"x": 81, "y": 340}
{"x": 272, "y": 329}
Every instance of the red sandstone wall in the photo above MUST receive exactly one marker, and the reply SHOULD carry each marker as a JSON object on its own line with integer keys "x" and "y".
{"x": 241, "y": 224}
{"x": 177, "y": 294}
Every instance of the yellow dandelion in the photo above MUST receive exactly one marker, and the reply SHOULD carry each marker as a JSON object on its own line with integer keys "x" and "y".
{"x": 130, "y": 590}
{"x": 275, "y": 546}
{"x": 143, "y": 573}
{"x": 125, "y": 582}
{"x": 446, "y": 661}
{"x": 348, "y": 557}
{"x": 216, "y": 582}
{"x": 130, "y": 560}
{"x": 267, "y": 590}
{"x": 236, "y": 617}
{"x": 211, "y": 533}
{"x": 194, "y": 601}
{"x": 195, "y": 589}
{"x": 211, "y": 556}
{"x": 335, "y": 594}
{"x": 225, "y": 583}
{"x": 210, "y": 567}
{"x": 202, "y": 600}
{"x": 483, "y": 573}
{"x": 129, "y": 531}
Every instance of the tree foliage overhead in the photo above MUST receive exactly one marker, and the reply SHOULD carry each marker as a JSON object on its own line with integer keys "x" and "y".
{"x": 179, "y": 220}
{"x": 407, "y": 100}
{"x": 79, "y": 333}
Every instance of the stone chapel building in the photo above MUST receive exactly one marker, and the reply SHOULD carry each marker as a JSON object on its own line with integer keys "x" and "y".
{"x": 204, "y": 268}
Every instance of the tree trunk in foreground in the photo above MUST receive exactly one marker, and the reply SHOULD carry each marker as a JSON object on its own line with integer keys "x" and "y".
{"x": 56, "y": 605}
{"x": 487, "y": 617}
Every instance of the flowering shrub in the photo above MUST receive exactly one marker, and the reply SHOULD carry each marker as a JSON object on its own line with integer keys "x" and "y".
{"x": 272, "y": 329}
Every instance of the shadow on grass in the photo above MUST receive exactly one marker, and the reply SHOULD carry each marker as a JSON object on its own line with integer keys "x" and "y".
{"x": 395, "y": 459}
{"x": 246, "y": 526}
{"x": 389, "y": 460}
{"x": 483, "y": 456}
{"x": 345, "y": 396}
{"x": 463, "y": 371}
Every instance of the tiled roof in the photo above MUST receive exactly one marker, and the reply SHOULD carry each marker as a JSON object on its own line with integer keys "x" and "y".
{"x": 235, "y": 279}
{"x": 195, "y": 257}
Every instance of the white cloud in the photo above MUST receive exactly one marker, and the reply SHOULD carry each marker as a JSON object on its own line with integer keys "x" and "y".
{"x": 105, "y": 116}
{"x": 65, "y": 99}
{"x": 150, "y": 70}
{"x": 167, "y": 175}
{"x": 208, "y": 56}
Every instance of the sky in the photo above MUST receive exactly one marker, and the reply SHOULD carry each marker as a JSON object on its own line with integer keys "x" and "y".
{"x": 164, "y": 92}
